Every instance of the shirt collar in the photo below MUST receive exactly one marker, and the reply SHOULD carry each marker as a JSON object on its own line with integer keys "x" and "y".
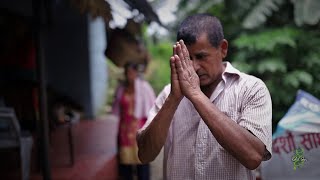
{"x": 229, "y": 71}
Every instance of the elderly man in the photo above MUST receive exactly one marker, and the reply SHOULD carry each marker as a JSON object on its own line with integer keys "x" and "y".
{"x": 213, "y": 120}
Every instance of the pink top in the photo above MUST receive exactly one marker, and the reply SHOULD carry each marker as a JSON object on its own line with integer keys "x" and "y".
{"x": 132, "y": 111}
{"x": 144, "y": 98}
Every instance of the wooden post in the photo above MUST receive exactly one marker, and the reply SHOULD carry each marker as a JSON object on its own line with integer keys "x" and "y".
{"x": 40, "y": 8}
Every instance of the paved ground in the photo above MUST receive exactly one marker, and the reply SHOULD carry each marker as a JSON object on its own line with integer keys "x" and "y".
{"x": 95, "y": 154}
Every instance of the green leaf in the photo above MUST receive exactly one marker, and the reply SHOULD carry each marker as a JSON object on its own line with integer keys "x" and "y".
{"x": 260, "y": 12}
{"x": 313, "y": 60}
{"x": 305, "y": 77}
{"x": 243, "y": 66}
{"x": 205, "y": 6}
{"x": 240, "y": 56}
{"x": 306, "y": 11}
{"x": 298, "y": 77}
{"x": 267, "y": 40}
{"x": 271, "y": 65}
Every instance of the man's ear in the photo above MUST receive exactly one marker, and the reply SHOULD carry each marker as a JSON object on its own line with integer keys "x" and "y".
{"x": 224, "y": 48}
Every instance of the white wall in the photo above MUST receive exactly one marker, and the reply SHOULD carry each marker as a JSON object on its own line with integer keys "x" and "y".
{"x": 98, "y": 65}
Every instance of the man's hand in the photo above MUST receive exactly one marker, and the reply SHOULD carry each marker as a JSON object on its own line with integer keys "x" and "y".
{"x": 175, "y": 87}
{"x": 152, "y": 139}
{"x": 188, "y": 79}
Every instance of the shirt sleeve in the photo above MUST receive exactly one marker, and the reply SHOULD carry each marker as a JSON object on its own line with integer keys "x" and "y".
{"x": 156, "y": 107}
{"x": 256, "y": 115}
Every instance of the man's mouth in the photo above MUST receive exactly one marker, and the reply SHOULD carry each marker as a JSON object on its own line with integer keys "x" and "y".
{"x": 201, "y": 76}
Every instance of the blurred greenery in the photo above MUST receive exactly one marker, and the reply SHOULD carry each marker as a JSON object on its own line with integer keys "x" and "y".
{"x": 277, "y": 41}
{"x": 159, "y": 68}
{"x": 115, "y": 75}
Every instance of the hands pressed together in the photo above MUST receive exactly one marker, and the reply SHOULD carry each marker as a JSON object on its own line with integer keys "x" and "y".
{"x": 184, "y": 79}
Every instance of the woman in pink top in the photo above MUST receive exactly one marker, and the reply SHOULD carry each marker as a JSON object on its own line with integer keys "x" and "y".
{"x": 133, "y": 99}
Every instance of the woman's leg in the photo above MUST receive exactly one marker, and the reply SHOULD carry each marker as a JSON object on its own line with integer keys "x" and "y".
{"x": 143, "y": 172}
{"x": 125, "y": 172}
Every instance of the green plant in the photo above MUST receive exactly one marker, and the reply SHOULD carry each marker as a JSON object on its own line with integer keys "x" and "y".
{"x": 286, "y": 59}
{"x": 159, "y": 68}
{"x": 275, "y": 40}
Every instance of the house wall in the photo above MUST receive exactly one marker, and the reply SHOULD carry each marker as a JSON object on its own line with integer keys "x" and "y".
{"x": 74, "y": 69}
{"x": 21, "y": 7}
{"x": 98, "y": 65}
{"x": 74, "y": 53}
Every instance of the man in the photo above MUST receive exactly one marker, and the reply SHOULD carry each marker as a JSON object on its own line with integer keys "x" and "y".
{"x": 213, "y": 121}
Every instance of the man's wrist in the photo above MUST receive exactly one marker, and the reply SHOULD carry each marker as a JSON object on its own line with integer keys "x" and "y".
{"x": 174, "y": 99}
{"x": 196, "y": 96}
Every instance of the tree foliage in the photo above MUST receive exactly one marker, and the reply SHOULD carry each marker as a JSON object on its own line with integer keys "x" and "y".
{"x": 275, "y": 40}
{"x": 260, "y": 12}
{"x": 159, "y": 69}
{"x": 282, "y": 57}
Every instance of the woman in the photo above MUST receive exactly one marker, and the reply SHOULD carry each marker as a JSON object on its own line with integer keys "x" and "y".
{"x": 133, "y": 99}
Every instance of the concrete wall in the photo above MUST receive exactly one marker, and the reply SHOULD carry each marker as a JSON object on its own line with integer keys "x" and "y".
{"x": 75, "y": 63}
{"x": 98, "y": 65}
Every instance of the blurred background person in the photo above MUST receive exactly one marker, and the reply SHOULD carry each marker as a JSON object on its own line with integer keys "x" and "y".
{"x": 134, "y": 98}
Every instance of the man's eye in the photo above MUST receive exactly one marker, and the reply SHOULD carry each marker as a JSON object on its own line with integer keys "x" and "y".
{"x": 199, "y": 56}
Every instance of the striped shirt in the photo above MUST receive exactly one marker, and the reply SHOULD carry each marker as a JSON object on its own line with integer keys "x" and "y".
{"x": 192, "y": 152}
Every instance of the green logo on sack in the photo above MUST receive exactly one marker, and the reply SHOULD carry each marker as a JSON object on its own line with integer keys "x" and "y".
{"x": 298, "y": 158}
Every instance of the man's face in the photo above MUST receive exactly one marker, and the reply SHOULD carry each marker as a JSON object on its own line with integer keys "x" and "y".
{"x": 207, "y": 60}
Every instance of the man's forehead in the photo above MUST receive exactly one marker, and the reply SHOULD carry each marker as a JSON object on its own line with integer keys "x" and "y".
{"x": 201, "y": 49}
{"x": 199, "y": 52}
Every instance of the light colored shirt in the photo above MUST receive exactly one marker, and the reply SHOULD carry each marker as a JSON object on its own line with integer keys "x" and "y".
{"x": 192, "y": 152}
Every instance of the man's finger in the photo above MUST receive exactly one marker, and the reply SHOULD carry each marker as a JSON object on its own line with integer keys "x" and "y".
{"x": 185, "y": 52}
{"x": 181, "y": 57}
{"x": 178, "y": 64}
{"x": 172, "y": 65}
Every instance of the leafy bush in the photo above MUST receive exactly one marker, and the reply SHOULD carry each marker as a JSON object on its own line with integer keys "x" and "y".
{"x": 159, "y": 68}
{"x": 286, "y": 59}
